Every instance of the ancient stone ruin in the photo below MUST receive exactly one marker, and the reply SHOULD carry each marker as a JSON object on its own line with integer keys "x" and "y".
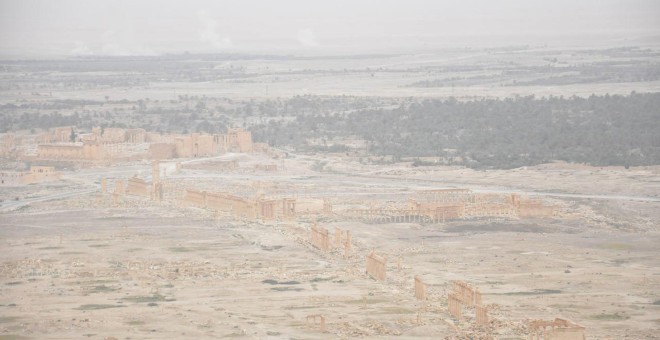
{"x": 467, "y": 294}
{"x": 36, "y": 174}
{"x": 316, "y": 321}
{"x": 481, "y": 315}
{"x": 558, "y": 329}
{"x": 106, "y": 145}
{"x": 420, "y": 289}
{"x": 454, "y": 306}
{"x": 376, "y": 266}
{"x": 138, "y": 187}
{"x": 242, "y": 208}
{"x": 266, "y": 167}
{"x": 438, "y": 206}
{"x": 320, "y": 238}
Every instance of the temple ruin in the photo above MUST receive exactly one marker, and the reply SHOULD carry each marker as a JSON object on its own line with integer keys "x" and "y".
{"x": 238, "y": 140}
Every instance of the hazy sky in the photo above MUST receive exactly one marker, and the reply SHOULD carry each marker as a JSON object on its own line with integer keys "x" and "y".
{"x": 116, "y": 27}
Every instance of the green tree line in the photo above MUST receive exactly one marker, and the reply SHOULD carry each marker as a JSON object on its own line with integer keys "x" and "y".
{"x": 493, "y": 133}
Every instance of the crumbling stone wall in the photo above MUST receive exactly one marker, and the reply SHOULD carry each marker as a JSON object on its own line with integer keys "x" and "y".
{"x": 306, "y": 205}
{"x": 102, "y": 143}
{"x": 235, "y": 206}
{"x": 266, "y": 167}
{"x": 439, "y": 210}
{"x": 445, "y": 196}
{"x": 11, "y": 178}
{"x": 462, "y": 203}
{"x": 36, "y": 174}
{"x": 195, "y": 198}
{"x": 7, "y": 145}
{"x": 489, "y": 210}
{"x": 535, "y": 209}
{"x": 138, "y": 187}
{"x": 162, "y": 150}
{"x": 71, "y": 151}
{"x": 239, "y": 207}
{"x": 558, "y": 329}
{"x": 60, "y": 134}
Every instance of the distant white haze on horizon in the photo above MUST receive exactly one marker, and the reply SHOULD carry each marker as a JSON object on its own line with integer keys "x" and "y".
{"x": 42, "y": 29}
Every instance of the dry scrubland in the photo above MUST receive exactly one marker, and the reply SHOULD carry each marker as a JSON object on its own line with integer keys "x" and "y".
{"x": 76, "y": 263}
{"x": 84, "y": 267}
{"x": 458, "y": 72}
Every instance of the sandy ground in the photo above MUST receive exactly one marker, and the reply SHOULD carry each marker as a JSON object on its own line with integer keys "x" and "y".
{"x": 81, "y": 267}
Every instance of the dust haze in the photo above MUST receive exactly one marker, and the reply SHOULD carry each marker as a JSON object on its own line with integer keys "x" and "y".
{"x": 329, "y": 170}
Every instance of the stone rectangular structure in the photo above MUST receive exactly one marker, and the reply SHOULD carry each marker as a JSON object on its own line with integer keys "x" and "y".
{"x": 316, "y": 320}
{"x": 235, "y": 206}
{"x": 558, "y": 329}
{"x": 454, "y": 305}
{"x": 238, "y": 140}
{"x": 348, "y": 245}
{"x": 467, "y": 294}
{"x": 119, "y": 187}
{"x": 481, "y": 315}
{"x": 376, "y": 266}
{"x": 289, "y": 209}
{"x": 239, "y": 207}
{"x": 320, "y": 238}
{"x": 195, "y": 197}
{"x": 71, "y": 151}
{"x": 138, "y": 187}
{"x": 36, "y": 174}
{"x": 266, "y": 167}
{"x": 162, "y": 150}
{"x": 420, "y": 289}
